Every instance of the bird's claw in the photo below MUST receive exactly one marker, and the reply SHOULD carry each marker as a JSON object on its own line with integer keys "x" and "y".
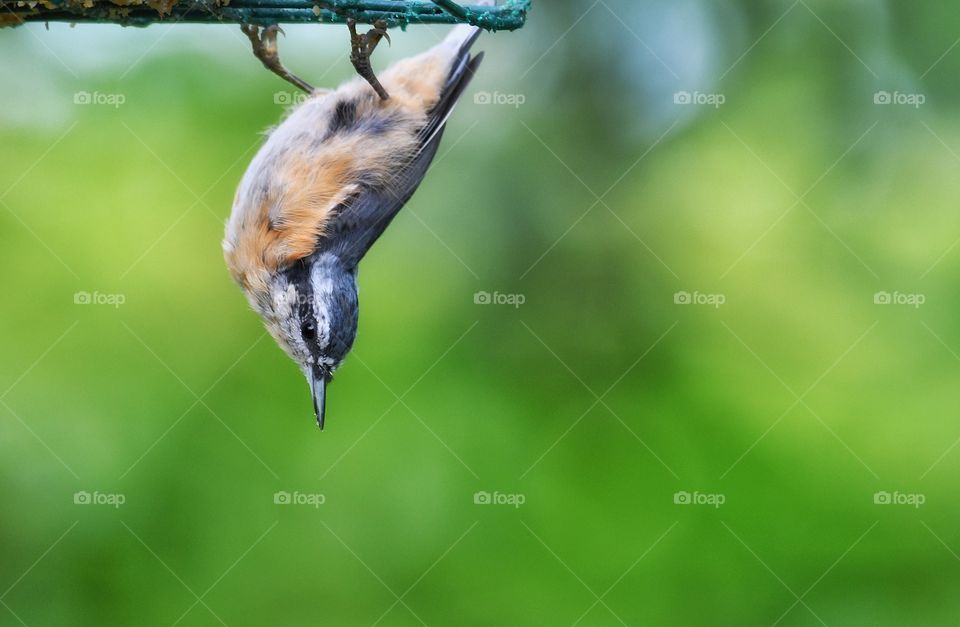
{"x": 362, "y": 46}
{"x": 264, "y": 42}
{"x": 381, "y": 32}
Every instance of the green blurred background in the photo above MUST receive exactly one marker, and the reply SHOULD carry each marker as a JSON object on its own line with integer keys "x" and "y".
{"x": 597, "y": 196}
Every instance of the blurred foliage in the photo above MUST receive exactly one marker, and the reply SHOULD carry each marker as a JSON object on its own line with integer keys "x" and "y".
{"x": 597, "y": 199}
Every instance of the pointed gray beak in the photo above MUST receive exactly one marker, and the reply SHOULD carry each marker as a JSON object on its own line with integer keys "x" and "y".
{"x": 318, "y": 388}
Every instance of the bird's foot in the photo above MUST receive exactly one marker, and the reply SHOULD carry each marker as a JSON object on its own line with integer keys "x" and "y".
{"x": 264, "y": 42}
{"x": 362, "y": 46}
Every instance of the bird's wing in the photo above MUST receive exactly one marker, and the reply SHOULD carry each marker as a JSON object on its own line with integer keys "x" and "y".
{"x": 359, "y": 221}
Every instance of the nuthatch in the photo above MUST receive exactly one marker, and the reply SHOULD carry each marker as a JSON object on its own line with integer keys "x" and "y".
{"x": 321, "y": 190}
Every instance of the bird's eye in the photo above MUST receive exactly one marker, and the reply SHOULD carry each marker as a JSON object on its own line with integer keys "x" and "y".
{"x": 309, "y": 330}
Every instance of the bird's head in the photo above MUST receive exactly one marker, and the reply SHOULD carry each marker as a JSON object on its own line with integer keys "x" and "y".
{"x": 311, "y": 310}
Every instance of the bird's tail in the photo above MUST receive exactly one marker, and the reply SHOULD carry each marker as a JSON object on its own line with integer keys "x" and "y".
{"x": 445, "y": 69}
{"x": 463, "y": 66}
{"x": 463, "y": 33}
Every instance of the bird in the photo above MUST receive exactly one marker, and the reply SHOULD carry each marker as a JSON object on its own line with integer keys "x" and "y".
{"x": 324, "y": 186}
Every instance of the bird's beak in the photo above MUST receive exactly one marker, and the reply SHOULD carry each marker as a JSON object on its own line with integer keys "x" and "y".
{"x": 318, "y": 388}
